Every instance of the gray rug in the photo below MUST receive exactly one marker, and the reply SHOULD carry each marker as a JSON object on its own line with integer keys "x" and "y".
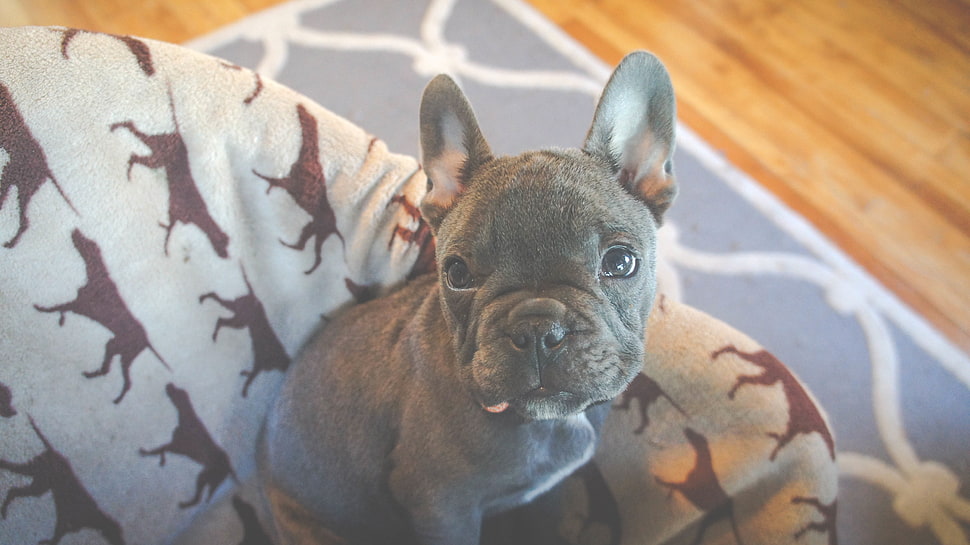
{"x": 897, "y": 393}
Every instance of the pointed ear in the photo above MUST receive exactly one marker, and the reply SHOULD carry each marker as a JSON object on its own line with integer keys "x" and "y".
{"x": 452, "y": 146}
{"x": 633, "y": 130}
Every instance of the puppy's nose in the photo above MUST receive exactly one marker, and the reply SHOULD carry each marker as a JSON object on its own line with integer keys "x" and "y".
{"x": 545, "y": 338}
{"x": 537, "y": 326}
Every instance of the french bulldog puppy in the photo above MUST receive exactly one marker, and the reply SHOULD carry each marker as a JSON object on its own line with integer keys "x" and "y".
{"x": 414, "y": 417}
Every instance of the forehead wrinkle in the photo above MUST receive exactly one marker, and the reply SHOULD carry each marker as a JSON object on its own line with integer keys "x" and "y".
{"x": 559, "y": 205}
{"x": 547, "y": 223}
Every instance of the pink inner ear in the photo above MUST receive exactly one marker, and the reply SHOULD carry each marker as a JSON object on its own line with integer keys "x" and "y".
{"x": 654, "y": 184}
{"x": 648, "y": 183}
{"x": 445, "y": 175}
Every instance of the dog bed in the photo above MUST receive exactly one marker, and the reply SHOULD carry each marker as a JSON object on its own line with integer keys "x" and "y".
{"x": 175, "y": 227}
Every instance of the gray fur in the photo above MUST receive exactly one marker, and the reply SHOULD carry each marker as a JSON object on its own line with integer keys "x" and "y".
{"x": 413, "y": 418}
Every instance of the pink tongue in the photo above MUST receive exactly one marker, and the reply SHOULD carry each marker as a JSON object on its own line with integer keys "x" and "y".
{"x": 498, "y": 408}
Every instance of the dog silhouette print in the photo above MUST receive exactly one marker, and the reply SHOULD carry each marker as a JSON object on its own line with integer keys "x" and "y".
{"x": 646, "y": 391}
{"x": 26, "y": 167}
{"x": 803, "y": 415}
{"x": 421, "y": 236}
{"x": 185, "y": 203}
{"x": 74, "y": 508}
{"x": 702, "y": 488}
{"x": 307, "y": 185}
{"x": 248, "y": 312}
{"x": 192, "y": 440}
{"x": 99, "y": 300}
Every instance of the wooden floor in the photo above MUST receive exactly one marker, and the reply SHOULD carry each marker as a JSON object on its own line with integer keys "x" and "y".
{"x": 856, "y": 114}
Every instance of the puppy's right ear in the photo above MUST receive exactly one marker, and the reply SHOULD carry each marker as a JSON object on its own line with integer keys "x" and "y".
{"x": 634, "y": 130}
{"x": 452, "y": 147}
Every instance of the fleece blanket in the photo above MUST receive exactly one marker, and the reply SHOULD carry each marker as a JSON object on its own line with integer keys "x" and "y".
{"x": 174, "y": 228}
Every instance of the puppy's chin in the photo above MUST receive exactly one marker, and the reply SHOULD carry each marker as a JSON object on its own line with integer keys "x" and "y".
{"x": 548, "y": 409}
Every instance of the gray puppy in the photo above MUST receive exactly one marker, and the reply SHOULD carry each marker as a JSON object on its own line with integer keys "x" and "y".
{"x": 412, "y": 418}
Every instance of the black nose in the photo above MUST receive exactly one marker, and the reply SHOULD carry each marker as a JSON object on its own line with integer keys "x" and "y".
{"x": 537, "y": 327}
{"x": 547, "y": 338}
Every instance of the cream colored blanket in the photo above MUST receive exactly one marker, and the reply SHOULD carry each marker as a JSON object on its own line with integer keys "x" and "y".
{"x": 175, "y": 227}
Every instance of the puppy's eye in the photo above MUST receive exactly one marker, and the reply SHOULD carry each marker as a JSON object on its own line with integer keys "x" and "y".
{"x": 457, "y": 274}
{"x": 619, "y": 262}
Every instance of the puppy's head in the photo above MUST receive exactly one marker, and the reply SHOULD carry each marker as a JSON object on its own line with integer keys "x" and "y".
{"x": 546, "y": 260}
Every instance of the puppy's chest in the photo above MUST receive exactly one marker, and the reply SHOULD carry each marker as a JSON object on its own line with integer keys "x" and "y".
{"x": 552, "y": 455}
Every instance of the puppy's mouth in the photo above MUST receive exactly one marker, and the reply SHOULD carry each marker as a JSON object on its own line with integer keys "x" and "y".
{"x": 526, "y": 402}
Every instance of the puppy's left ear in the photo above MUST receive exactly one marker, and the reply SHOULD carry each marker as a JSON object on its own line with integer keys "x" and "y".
{"x": 452, "y": 147}
{"x": 633, "y": 130}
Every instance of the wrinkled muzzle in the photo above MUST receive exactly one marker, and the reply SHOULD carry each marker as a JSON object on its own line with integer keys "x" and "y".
{"x": 545, "y": 359}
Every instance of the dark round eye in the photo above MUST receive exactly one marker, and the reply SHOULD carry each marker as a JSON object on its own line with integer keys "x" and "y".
{"x": 619, "y": 262}
{"x": 457, "y": 274}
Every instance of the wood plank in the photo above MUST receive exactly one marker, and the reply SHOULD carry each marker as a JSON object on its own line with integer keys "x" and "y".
{"x": 929, "y": 68}
{"x": 169, "y": 20}
{"x": 799, "y": 66}
{"x": 949, "y": 19}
